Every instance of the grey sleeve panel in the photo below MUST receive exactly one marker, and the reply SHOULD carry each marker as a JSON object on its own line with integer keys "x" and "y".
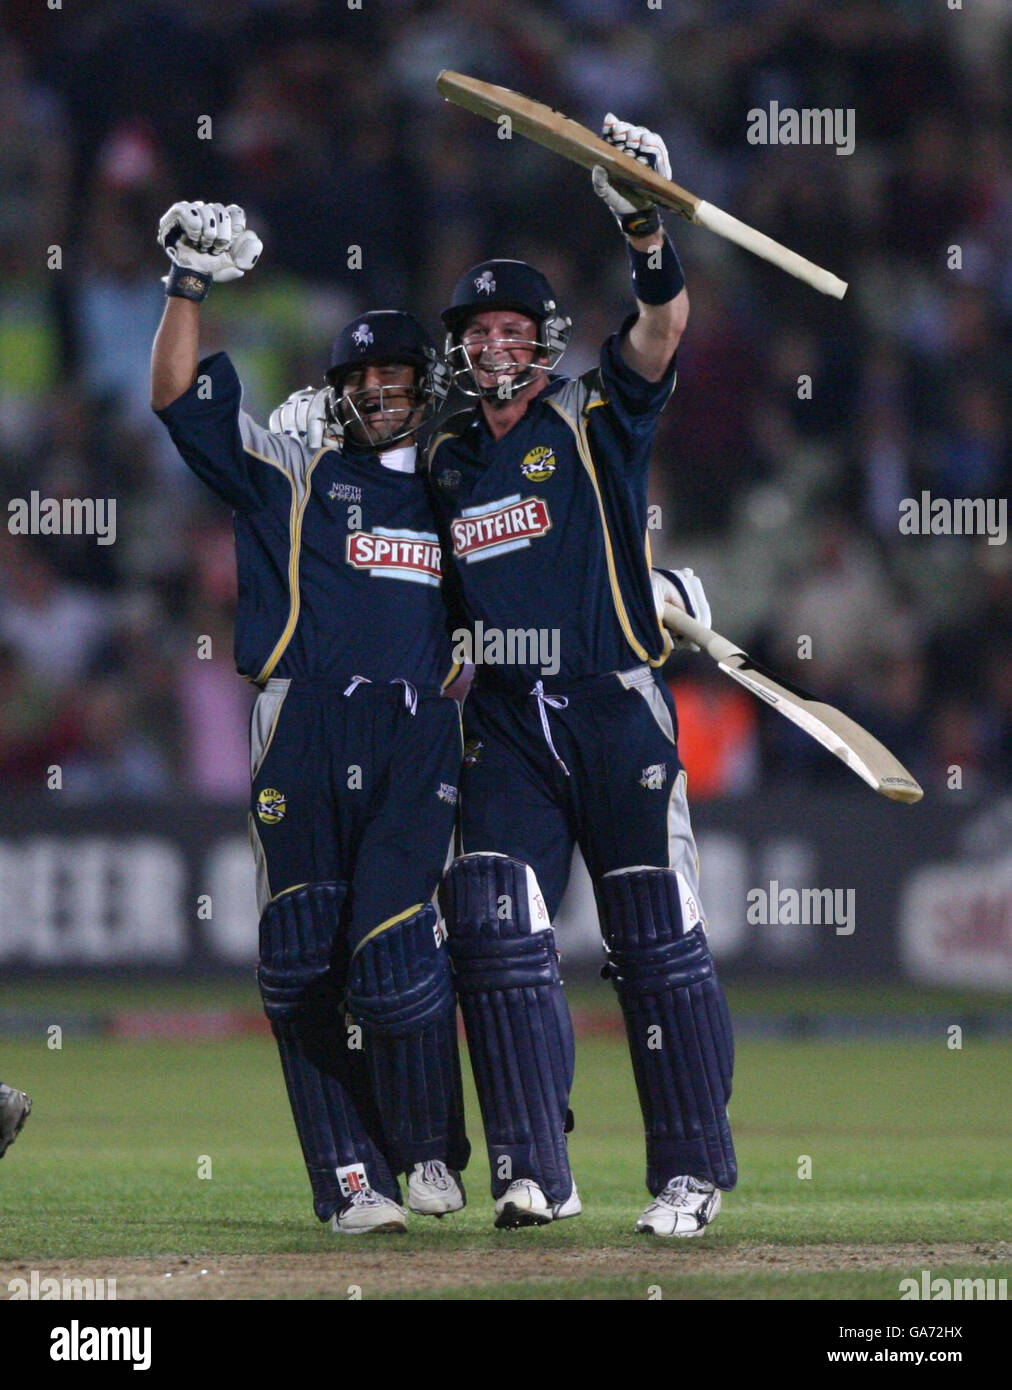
{"x": 282, "y": 451}
{"x": 574, "y": 398}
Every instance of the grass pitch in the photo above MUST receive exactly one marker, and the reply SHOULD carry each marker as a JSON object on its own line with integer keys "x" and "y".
{"x": 906, "y": 1143}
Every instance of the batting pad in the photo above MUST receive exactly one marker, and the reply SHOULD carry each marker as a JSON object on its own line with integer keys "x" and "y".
{"x": 400, "y": 989}
{"x": 677, "y": 1024}
{"x": 519, "y": 1032}
{"x": 328, "y": 1087}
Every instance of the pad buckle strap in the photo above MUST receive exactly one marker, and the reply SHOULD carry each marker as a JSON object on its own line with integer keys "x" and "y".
{"x": 553, "y": 702}
{"x": 410, "y": 693}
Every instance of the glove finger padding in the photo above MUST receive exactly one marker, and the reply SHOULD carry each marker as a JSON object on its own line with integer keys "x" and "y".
{"x": 241, "y": 256}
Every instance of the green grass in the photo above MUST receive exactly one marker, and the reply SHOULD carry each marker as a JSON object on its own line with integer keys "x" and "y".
{"x": 908, "y": 1143}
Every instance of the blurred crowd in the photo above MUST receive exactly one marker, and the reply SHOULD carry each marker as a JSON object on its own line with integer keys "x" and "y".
{"x": 323, "y": 121}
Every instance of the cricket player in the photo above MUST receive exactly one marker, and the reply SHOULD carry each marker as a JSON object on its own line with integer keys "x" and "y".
{"x": 542, "y": 491}
{"x": 354, "y": 751}
{"x": 15, "y": 1107}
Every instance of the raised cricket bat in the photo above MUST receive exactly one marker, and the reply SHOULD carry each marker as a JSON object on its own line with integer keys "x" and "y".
{"x": 557, "y": 132}
{"x": 853, "y": 745}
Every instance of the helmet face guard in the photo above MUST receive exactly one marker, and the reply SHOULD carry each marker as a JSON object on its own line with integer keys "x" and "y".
{"x": 424, "y": 398}
{"x": 464, "y": 368}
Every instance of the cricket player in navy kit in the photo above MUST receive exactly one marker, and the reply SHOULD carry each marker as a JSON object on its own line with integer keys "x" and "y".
{"x": 542, "y": 490}
{"x": 354, "y": 751}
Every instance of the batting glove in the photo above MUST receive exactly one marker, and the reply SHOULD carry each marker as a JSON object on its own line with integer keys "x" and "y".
{"x": 305, "y": 415}
{"x": 210, "y": 242}
{"x": 635, "y": 212}
{"x": 683, "y": 590}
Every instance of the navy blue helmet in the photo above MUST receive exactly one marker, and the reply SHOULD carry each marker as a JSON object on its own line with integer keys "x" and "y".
{"x": 380, "y": 338}
{"x": 504, "y": 284}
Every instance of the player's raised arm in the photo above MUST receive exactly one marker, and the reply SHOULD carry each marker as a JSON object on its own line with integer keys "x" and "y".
{"x": 658, "y": 282}
{"x": 205, "y": 242}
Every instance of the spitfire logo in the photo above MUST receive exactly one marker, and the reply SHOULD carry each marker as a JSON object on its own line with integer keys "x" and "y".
{"x": 362, "y": 336}
{"x": 272, "y": 806}
{"x": 411, "y": 555}
{"x": 510, "y": 523}
{"x": 539, "y": 464}
{"x": 485, "y": 283}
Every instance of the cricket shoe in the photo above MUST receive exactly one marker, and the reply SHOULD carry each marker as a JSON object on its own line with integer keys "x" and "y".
{"x": 524, "y": 1204}
{"x": 684, "y": 1208}
{"x": 15, "y": 1107}
{"x": 367, "y": 1211}
{"x": 434, "y": 1189}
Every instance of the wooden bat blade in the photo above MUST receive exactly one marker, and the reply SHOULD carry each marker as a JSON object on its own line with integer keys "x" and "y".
{"x": 836, "y": 731}
{"x": 557, "y": 132}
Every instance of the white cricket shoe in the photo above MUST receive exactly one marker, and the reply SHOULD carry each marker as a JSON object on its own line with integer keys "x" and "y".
{"x": 524, "y": 1204}
{"x": 434, "y": 1189}
{"x": 685, "y": 1208}
{"x": 368, "y": 1211}
{"x": 15, "y": 1107}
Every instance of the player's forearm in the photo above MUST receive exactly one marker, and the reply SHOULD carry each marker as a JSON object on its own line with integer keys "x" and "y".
{"x": 663, "y": 305}
{"x": 175, "y": 350}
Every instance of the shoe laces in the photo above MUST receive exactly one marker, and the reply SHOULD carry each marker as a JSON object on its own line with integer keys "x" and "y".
{"x": 679, "y": 1192}
{"x": 367, "y": 1198}
{"x": 436, "y": 1174}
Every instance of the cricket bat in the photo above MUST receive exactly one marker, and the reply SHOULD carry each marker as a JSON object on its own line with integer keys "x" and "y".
{"x": 557, "y": 132}
{"x": 853, "y": 745}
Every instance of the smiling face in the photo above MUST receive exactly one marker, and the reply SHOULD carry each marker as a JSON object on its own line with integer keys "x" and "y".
{"x": 500, "y": 343}
{"x": 380, "y": 401}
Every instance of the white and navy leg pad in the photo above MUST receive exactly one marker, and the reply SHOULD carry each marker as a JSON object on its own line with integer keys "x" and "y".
{"x": 676, "y": 1020}
{"x": 301, "y": 993}
{"x": 400, "y": 990}
{"x": 519, "y": 1032}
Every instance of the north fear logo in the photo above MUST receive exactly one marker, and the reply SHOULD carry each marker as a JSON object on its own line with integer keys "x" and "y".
{"x": 411, "y": 555}
{"x": 344, "y": 492}
{"x": 485, "y": 283}
{"x": 362, "y": 336}
{"x": 654, "y": 777}
{"x": 539, "y": 464}
{"x": 506, "y": 524}
{"x": 449, "y": 479}
{"x": 448, "y": 793}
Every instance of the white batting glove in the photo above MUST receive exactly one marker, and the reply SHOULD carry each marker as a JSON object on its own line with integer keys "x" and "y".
{"x": 631, "y": 207}
{"x": 683, "y": 590}
{"x": 306, "y": 417}
{"x": 209, "y": 238}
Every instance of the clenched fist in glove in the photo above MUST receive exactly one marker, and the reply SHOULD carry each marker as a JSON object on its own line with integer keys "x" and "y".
{"x": 684, "y": 590}
{"x": 635, "y": 212}
{"x": 305, "y": 415}
{"x": 205, "y": 242}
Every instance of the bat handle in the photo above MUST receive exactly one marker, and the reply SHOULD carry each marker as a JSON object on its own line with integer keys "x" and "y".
{"x": 715, "y": 220}
{"x": 678, "y": 621}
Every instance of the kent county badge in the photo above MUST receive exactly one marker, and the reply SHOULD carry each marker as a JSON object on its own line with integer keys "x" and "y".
{"x": 539, "y": 464}
{"x": 271, "y": 806}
